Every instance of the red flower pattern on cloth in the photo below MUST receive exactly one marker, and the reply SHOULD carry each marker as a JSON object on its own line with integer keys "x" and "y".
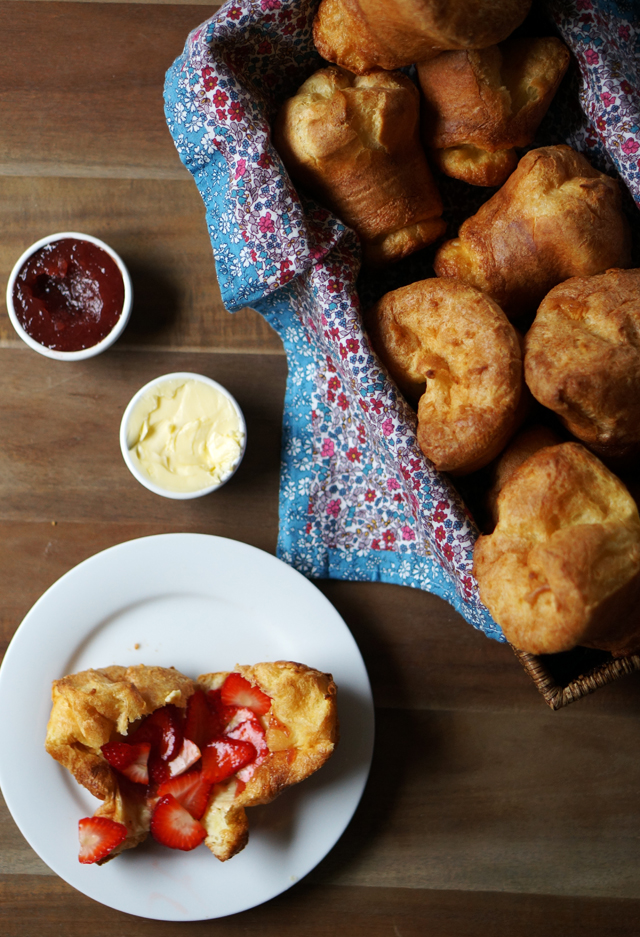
{"x": 606, "y": 43}
{"x": 354, "y": 480}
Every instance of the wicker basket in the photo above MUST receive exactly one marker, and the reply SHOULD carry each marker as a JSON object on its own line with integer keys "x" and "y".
{"x": 271, "y": 252}
{"x": 565, "y": 678}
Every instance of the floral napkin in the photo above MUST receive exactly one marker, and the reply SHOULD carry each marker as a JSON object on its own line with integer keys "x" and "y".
{"x": 358, "y": 499}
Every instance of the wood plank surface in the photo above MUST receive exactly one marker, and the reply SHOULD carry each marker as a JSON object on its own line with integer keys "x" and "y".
{"x": 88, "y": 102}
{"x": 159, "y": 229}
{"x": 471, "y": 805}
{"x": 61, "y": 459}
{"x": 317, "y": 911}
{"x": 485, "y": 812}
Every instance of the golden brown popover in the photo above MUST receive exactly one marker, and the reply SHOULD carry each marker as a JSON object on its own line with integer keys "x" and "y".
{"x": 480, "y": 104}
{"x": 562, "y": 567}
{"x": 555, "y": 217}
{"x": 453, "y": 348}
{"x": 583, "y": 360}
{"x": 362, "y": 35}
{"x": 525, "y": 442}
{"x": 353, "y": 143}
{"x": 294, "y": 733}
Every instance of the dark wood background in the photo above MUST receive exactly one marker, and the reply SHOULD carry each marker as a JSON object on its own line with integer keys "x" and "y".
{"x": 485, "y": 813}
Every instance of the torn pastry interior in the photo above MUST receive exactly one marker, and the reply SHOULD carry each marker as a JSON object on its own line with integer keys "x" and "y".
{"x": 353, "y": 144}
{"x": 184, "y": 758}
{"x": 481, "y": 104}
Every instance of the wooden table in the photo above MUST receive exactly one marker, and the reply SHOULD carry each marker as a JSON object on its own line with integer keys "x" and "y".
{"x": 485, "y": 813}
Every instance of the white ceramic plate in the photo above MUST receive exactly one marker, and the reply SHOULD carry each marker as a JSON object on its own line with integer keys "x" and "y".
{"x": 201, "y": 604}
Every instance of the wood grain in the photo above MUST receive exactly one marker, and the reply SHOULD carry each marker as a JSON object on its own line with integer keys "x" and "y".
{"x": 209, "y": 7}
{"x": 61, "y": 458}
{"x": 527, "y": 803}
{"x": 159, "y": 229}
{"x": 88, "y": 101}
{"x": 422, "y": 655}
{"x": 316, "y": 911}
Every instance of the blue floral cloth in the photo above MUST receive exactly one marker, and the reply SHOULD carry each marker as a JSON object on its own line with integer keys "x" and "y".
{"x": 358, "y": 499}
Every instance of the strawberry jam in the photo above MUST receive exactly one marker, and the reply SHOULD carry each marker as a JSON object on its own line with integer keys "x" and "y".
{"x": 69, "y": 295}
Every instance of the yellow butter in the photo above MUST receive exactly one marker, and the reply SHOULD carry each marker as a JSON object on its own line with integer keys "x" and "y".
{"x": 185, "y": 435}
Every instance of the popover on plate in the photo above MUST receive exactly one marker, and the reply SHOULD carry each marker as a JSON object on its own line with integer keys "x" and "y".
{"x": 183, "y": 758}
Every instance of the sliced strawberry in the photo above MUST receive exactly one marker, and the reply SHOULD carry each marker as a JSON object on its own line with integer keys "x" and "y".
{"x": 202, "y": 723}
{"x": 239, "y": 714}
{"x": 252, "y": 732}
{"x": 224, "y": 756}
{"x": 236, "y": 691}
{"x": 191, "y": 790}
{"x": 159, "y": 770}
{"x": 148, "y": 733}
{"x": 130, "y": 760}
{"x": 223, "y": 714}
{"x": 163, "y": 729}
{"x": 173, "y": 826}
{"x": 98, "y": 837}
{"x": 169, "y": 719}
{"x": 214, "y": 699}
{"x": 186, "y": 757}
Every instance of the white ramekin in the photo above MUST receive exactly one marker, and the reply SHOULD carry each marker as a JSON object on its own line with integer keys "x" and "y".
{"x": 115, "y": 332}
{"x": 143, "y": 478}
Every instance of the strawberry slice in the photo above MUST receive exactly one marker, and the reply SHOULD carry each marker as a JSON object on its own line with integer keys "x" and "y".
{"x": 202, "y": 723}
{"x": 165, "y": 729}
{"x": 223, "y": 714}
{"x": 191, "y": 790}
{"x": 224, "y": 756}
{"x": 130, "y": 760}
{"x": 236, "y": 691}
{"x": 98, "y": 837}
{"x": 159, "y": 770}
{"x": 186, "y": 757}
{"x": 240, "y": 714}
{"x": 250, "y": 731}
{"x": 173, "y": 826}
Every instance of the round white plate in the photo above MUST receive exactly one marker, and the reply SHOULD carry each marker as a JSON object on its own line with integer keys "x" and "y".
{"x": 200, "y": 604}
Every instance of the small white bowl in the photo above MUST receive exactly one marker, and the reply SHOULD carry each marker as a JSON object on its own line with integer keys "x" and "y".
{"x": 124, "y": 429}
{"x": 115, "y": 332}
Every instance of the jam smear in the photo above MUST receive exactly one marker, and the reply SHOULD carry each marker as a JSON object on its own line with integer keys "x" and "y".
{"x": 69, "y": 295}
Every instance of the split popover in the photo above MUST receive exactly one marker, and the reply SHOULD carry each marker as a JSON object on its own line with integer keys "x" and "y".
{"x": 353, "y": 143}
{"x": 480, "y": 104}
{"x": 362, "y": 35}
{"x": 555, "y": 217}
{"x": 562, "y": 567}
{"x": 184, "y": 758}
{"x": 582, "y": 360}
{"x": 453, "y": 348}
